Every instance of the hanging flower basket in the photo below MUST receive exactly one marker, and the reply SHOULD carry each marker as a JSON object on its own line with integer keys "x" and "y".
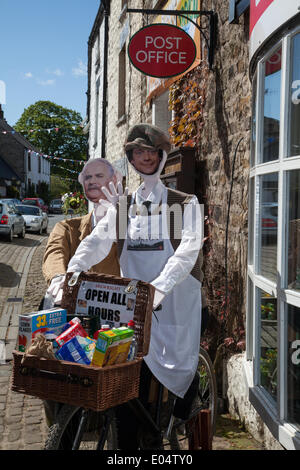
{"x": 75, "y": 203}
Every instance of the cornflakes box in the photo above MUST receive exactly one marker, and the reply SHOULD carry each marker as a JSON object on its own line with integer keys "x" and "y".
{"x": 31, "y": 324}
{"x": 112, "y": 346}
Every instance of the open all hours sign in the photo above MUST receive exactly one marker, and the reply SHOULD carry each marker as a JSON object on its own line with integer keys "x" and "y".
{"x": 162, "y": 50}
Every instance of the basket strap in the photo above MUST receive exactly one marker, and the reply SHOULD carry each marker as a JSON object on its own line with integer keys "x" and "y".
{"x": 68, "y": 378}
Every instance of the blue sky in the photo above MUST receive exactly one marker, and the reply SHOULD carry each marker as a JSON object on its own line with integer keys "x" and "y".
{"x": 43, "y": 53}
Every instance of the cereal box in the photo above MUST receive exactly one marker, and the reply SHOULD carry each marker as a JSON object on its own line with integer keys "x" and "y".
{"x": 31, "y": 324}
{"x": 77, "y": 349}
{"x": 112, "y": 346}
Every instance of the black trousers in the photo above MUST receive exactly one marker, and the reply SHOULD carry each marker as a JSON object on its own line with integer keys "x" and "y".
{"x": 128, "y": 424}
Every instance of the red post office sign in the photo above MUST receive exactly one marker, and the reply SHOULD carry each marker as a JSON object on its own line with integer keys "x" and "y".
{"x": 162, "y": 50}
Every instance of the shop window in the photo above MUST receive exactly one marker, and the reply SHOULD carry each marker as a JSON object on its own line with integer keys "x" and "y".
{"x": 293, "y": 366}
{"x": 294, "y": 124}
{"x": 268, "y": 343}
{"x": 293, "y": 226}
{"x": 273, "y": 292}
{"x": 271, "y": 116}
{"x": 251, "y": 221}
{"x": 253, "y": 123}
{"x": 250, "y": 323}
{"x": 268, "y": 225}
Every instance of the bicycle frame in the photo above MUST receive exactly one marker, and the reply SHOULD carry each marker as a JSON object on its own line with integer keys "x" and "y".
{"x": 145, "y": 418}
{"x": 150, "y": 422}
{"x": 137, "y": 408}
{"x": 141, "y": 413}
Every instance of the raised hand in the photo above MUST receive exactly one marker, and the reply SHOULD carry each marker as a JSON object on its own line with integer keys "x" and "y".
{"x": 113, "y": 195}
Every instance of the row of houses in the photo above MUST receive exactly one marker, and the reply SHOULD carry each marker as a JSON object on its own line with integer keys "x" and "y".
{"x": 234, "y": 128}
{"x": 22, "y": 168}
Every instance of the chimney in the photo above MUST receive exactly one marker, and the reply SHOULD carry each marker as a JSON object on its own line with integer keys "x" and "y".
{"x": 1, "y": 113}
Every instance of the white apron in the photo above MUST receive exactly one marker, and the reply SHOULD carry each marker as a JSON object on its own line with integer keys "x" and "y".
{"x": 175, "y": 333}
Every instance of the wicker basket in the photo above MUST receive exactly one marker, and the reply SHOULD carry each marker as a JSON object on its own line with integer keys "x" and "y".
{"x": 91, "y": 387}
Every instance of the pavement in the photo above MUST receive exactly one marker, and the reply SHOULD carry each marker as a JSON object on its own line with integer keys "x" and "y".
{"x": 22, "y": 423}
{"x": 22, "y": 419}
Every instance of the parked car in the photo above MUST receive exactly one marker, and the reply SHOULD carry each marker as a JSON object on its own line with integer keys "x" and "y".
{"x": 35, "y": 201}
{"x": 36, "y": 220}
{"x": 55, "y": 206}
{"x": 11, "y": 221}
{"x": 13, "y": 200}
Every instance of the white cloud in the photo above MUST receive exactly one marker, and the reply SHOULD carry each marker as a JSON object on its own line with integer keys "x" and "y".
{"x": 81, "y": 70}
{"x": 28, "y": 75}
{"x": 45, "y": 82}
{"x": 57, "y": 72}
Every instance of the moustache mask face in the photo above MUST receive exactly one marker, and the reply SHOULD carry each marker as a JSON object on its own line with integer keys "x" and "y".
{"x": 96, "y": 174}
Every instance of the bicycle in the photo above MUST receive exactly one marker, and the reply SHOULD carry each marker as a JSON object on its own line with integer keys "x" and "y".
{"x": 77, "y": 428}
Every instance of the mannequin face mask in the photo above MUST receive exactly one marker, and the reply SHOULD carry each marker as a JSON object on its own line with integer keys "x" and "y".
{"x": 146, "y": 148}
{"x": 146, "y": 161}
{"x": 95, "y": 175}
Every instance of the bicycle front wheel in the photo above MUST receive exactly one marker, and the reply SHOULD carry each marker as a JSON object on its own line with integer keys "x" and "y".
{"x": 185, "y": 435}
{"x": 207, "y": 392}
{"x": 78, "y": 429}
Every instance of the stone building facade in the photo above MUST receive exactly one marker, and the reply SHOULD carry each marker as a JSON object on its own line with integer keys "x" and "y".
{"x": 215, "y": 113}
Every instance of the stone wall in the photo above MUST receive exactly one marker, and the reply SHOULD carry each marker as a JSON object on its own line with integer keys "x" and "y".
{"x": 227, "y": 113}
{"x": 121, "y": 28}
{"x": 226, "y": 116}
{"x": 240, "y": 407}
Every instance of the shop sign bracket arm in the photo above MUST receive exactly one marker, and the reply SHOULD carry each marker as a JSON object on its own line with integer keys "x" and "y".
{"x": 210, "y": 42}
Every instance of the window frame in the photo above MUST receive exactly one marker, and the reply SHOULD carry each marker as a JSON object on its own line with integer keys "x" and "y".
{"x": 274, "y": 414}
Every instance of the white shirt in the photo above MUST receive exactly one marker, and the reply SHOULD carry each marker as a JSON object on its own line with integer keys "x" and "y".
{"x": 175, "y": 337}
{"x": 96, "y": 246}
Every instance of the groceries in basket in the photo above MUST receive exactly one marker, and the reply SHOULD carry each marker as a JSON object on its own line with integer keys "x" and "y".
{"x": 75, "y": 329}
{"x": 77, "y": 349}
{"x": 69, "y": 341}
{"x": 46, "y": 322}
{"x": 112, "y": 346}
{"x": 103, "y": 328}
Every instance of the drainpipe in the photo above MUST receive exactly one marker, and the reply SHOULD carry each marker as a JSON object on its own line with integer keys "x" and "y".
{"x": 105, "y": 59}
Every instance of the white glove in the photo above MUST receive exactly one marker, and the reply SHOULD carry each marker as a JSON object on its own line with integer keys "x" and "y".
{"x": 158, "y": 298}
{"x": 113, "y": 196}
{"x": 54, "y": 292}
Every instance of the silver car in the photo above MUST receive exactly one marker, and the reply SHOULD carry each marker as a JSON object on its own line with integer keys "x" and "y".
{"x": 11, "y": 221}
{"x": 36, "y": 220}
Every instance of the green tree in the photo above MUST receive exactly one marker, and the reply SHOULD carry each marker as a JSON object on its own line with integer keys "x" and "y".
{"x": 61, "y": 186}
{"x": 43, "y": 191}
{"x": 56, "y": 132}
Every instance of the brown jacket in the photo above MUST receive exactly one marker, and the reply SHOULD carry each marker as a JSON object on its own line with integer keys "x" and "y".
{"x": 63, "y": 242}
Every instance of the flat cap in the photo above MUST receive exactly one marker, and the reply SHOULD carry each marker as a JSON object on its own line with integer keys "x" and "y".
{"x": 147, "y": 136}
